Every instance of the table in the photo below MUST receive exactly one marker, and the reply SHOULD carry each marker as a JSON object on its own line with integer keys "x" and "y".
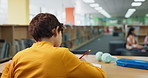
{"x": 114, "y": 71}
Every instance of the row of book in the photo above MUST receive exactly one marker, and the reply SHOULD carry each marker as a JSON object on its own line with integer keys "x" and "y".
{"x": 4, "y": 49}
{"x": 18, "y": 46}
{"x": 22, "y": 44}
{"x": 78, "y": 34}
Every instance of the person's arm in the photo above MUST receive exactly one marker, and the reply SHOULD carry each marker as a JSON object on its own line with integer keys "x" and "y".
{"x": 80, "y": 69}
{"x": 146, "y": 40}
{"x": 5, "y": 71}
{"x": 130, "y": 40}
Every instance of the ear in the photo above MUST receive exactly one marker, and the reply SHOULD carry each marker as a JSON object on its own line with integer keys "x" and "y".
{"x": 56, "y": 31}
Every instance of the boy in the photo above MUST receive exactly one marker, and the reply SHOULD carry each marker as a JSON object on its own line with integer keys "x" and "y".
{"x": 45, "y": 59}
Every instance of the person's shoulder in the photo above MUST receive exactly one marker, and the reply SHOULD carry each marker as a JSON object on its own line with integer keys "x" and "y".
{"x": 21, "y": 53}
{"x": 130, "y": 36}
{"x": 61, "y": 49}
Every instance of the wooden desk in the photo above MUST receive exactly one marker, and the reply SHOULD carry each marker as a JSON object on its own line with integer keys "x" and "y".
{"x": 114, "y": 71}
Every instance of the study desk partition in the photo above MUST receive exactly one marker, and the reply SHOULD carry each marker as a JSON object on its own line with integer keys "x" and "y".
{"x": 111, "y": 69}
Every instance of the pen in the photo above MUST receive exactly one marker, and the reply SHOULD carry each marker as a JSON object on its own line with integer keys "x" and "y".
{"x": 85, "y": 54}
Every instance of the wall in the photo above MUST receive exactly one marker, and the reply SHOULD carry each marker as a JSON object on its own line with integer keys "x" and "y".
{"x": 83, "y": 12}
{"x": 146, "y": 21}
{"x": 3, "y": 11}
{"x": 136, "y": 20}
{"x": 57, "y": 7}
{"x": 18, "y": 12}
{"x": 120, "y": 21}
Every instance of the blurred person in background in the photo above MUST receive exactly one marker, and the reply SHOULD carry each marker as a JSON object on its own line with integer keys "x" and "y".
{"x": 146, "y": 40}
{"x": 131, "y": 41}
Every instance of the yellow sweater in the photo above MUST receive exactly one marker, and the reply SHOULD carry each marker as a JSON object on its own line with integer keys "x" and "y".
{"x": 43, "y": 60}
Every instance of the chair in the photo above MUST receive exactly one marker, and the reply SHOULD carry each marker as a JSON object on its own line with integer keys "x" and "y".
{"x": 114, "y": 45}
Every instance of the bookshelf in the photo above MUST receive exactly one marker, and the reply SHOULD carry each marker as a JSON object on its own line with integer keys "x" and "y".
{"x": 6, "y": 34}
{"x": 12, "y": 32}
{"x": 80, "y": 35}
{"x": 141, "y": 31}
{"x": 73, "y": 36}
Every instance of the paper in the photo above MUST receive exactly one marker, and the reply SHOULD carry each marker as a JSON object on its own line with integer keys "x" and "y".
{"x": 97, "y": 65}
{"x": 2, "y": 65}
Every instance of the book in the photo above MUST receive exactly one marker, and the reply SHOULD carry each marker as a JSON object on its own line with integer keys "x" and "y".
{"x": 16, "y": 46}
{"x": 4, "y": 49}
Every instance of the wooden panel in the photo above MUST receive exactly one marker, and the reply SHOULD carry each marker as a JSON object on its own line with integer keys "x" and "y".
{"x": 29, "y": 36}
{"x": 20, "y": 32}
{"x": 143, "y": 33}
{"x": 143, "y": 30}
{"x": 141, "y": 39}
{"x": 6, "y": 33}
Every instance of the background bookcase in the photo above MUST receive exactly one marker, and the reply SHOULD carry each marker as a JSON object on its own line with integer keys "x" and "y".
{"x": 141, "y": 32}
{"x": 77, "y": 36}
{"x": 12, "y": 32}
{"x": 73, "y": 36}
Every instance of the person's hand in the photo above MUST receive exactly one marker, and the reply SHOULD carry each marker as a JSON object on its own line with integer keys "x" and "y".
{"x": 82, "y": 59}
{"x": 139, "y": 47}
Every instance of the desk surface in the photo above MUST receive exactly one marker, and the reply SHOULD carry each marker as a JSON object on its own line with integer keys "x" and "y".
{"x": 114, "y": 71}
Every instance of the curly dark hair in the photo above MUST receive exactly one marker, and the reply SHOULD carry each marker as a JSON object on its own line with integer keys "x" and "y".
{"x": 41, "y": 26}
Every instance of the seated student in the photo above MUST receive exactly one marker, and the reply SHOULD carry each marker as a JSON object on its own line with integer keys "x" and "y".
{"x": 131, "y": 43}
{"x": 46, "y": 59}
{"x": 146, "y": 40}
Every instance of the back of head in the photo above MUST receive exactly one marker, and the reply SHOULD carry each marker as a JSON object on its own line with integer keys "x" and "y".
{"x": 41, "y": 26}
{"x": 130, "y": 32}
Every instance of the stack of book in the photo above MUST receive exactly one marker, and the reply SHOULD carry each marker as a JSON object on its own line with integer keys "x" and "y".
{"x": 22, "y": 44}
{"x": 4, "y": 49}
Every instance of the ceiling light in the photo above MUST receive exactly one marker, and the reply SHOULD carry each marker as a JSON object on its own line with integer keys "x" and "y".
{"x": 94, "y": 5}
{"x": 98, "y": 8}
{"x": 136, "y": 4}
{"x": 140, "y": 0}
{"x": 103, "y": 12}
{"x": 89, "y": 1}
{"x": 129, "y": 12}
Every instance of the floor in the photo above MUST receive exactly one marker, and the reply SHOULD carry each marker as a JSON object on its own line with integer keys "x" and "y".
{"x": 101, "y": 43}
